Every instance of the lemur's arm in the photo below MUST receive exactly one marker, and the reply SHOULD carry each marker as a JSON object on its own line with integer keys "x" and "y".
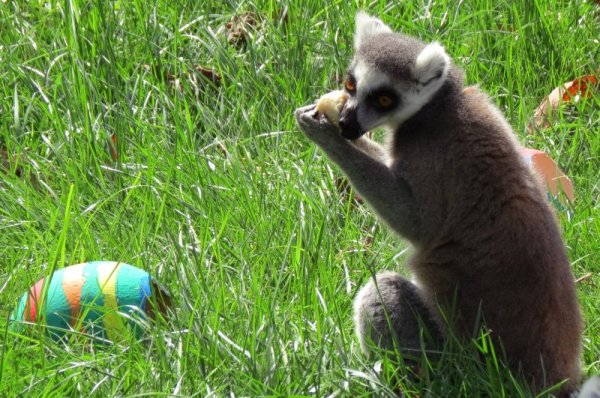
{"x": 387, "y": 193}
{"x": 371, "y": 148}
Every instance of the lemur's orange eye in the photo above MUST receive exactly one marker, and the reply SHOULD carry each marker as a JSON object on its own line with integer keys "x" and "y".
{"x": 384, "y": 101}
{"x": 350, "y": 86}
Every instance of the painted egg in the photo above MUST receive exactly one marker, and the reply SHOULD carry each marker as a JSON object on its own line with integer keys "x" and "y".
{"x": 105, "y": 299}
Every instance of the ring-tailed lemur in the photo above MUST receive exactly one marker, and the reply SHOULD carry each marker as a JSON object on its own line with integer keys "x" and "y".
{"x": 451, "y": 181}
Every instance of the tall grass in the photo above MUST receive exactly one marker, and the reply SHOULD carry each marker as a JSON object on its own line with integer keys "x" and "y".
{"x": 215, "y": 192}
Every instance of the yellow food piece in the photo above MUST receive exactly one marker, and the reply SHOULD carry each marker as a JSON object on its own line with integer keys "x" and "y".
{"x": 331, "y": 104}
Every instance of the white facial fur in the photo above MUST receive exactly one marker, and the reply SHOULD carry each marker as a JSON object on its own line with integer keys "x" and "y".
{"x": 428, "y": 75}
{"x": 430, "y": 70}
{"x": 367, "y": 26}
{"x": 367, "y": 80}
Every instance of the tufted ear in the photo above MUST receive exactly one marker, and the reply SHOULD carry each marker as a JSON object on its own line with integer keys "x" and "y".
{"x": 367, "y": 26}
{"x": 431, "y": 64}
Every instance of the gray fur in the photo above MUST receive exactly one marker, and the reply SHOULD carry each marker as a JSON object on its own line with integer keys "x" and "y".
{"x": 452, "y": 182}
{"x": 393, "y": 54}
{"x": 591, "y": 388}
{"x": 366, "y": 173}
{"x": 389, "y": 312}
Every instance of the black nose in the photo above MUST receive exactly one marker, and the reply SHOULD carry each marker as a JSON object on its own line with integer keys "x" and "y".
{"x": 349, "y": 124}
{"x": 344, "y": 124}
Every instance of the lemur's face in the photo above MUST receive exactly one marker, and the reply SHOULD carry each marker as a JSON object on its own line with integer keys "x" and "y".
{"x": 390, "y": 78}
{"x": 372, "y": 100}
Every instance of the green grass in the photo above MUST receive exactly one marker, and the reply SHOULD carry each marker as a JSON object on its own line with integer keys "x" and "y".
{"x": 217, "y": 194}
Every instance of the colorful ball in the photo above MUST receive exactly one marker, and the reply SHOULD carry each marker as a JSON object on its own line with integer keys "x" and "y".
{"x": 105, "y": 299}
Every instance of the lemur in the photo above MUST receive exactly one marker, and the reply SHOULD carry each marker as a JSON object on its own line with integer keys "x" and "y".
{"x": 451, "y": 181}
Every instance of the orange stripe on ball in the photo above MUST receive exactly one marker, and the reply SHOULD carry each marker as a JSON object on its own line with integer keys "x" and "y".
{"x": 72, "y": 284}
{"x": 35, "y": 295}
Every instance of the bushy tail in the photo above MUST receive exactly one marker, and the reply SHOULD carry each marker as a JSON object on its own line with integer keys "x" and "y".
{"x": 590, "y": 389}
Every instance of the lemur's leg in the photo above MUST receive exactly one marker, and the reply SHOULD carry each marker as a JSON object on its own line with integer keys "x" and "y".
{"x": 389, "y": 312}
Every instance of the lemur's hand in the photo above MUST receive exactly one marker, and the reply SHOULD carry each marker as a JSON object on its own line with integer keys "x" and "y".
{"x": 316, "y": 125}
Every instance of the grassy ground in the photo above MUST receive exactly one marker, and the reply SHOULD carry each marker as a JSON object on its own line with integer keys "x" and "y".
{"x": 214, "y": 191}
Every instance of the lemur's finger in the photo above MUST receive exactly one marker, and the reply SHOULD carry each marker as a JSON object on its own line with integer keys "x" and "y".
{"x": 309, "y": 116}
{"x": 302, "y": 110}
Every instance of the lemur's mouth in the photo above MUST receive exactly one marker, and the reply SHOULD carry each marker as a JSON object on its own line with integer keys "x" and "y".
{"x": 351, "y": 128}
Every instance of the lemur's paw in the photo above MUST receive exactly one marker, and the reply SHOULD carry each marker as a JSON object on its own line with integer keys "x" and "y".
{"x": 315, "y": 124}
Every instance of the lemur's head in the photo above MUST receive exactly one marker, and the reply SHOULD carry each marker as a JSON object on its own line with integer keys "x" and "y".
{"x": 390, "y": 78}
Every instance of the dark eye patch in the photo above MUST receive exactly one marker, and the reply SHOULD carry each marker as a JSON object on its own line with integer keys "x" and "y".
{"x": 383, "y": 99}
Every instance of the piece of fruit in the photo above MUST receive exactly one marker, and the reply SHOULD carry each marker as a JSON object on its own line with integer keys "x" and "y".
{"x": 331, "y": 105}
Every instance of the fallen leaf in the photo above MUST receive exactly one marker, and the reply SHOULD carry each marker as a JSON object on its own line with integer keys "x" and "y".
{"x": 112, "y": 147}
{"x": 581, "y": 87}
{"x": 239, "y": 28}
{"x": 281, "y": 15}
{"x": 554, "y": 178}
{"x": 344, "y": 188}
{"x": 196, "y": 77}
{"x": 10, "y": 163}
{"x": 208, "y": 73}
{"x": 584, "y": 277}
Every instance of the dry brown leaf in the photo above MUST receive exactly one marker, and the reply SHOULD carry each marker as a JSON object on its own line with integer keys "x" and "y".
{"x": 344, "y": 189}
{"x": 582, "y": 87}
{"x": 281, "y": 15}
{"x": 196, "y": 77}
{"x": 208, "y": 73}
{"x": 553, "y": 177}
{"x": 11, "y": 162}
{"x": 584, "y": 277}
{"x": 240, "y": 26}
{"x": 112, "y": 147}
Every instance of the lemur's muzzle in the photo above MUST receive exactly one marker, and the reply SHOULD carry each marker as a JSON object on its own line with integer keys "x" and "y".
{"x": 351, "y": 129}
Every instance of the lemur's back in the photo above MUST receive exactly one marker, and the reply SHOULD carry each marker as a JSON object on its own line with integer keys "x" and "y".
{"x": 489, "y": 235}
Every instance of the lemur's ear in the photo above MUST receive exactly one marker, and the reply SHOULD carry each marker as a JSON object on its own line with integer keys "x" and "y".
{"x": 367, "y": 26}
{"x": 431, "y": 64}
